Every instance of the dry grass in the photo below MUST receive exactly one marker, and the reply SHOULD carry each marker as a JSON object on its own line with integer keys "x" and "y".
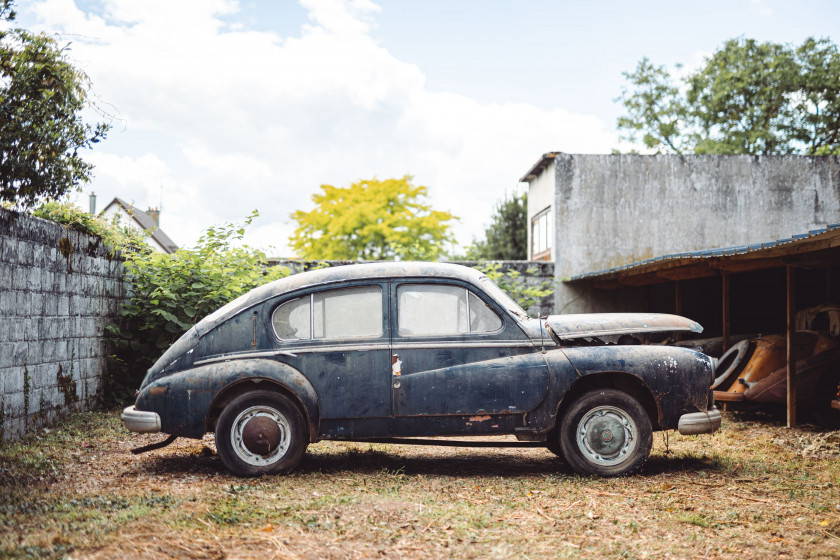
{"x": 754, "y": 490}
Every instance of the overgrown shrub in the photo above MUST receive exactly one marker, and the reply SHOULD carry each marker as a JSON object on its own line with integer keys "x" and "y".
{"x": 170, "y": 293}
{"x": 514, "y": 284}
{"x": 115, "y": 235}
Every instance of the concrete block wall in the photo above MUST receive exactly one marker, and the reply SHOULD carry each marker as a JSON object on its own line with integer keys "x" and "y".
{"x": 58, "y": 290}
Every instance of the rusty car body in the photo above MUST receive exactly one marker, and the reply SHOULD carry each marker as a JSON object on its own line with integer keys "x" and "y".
{"x": 399, "y": 351}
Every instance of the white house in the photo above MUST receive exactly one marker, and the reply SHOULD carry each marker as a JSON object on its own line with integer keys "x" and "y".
{"x": 138, "y": 219}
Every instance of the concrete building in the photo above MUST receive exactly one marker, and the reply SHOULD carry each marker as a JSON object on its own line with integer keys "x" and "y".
{"x": 589, "y": 213}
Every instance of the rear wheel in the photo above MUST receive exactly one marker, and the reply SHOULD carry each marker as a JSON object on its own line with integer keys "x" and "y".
{"x": 552, "y": 442}
{"x": 261, "y": 432}
{"x": 607, "y": 433}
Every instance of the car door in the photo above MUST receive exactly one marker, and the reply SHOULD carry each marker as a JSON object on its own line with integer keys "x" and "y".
{"x": 339, "y": 339}
{"x": 455, "y": 352}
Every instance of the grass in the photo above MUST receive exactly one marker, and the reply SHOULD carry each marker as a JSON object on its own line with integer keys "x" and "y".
{"x": 753, "y": 490}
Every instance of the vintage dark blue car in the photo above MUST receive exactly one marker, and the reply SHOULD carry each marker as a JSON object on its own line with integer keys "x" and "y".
{"x": 400, "y": 351}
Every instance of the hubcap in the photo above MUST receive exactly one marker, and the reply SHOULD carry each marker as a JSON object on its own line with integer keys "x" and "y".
{"x": 260, "y": 435}
{"x": 606, "y": 435}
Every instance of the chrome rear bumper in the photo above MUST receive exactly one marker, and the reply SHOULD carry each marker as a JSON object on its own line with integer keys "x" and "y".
{"x": 699, "y": 422}
{"x": 140, "y": 420}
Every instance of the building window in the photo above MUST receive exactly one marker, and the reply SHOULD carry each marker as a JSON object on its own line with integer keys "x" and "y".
{"x": 541, "y": 235}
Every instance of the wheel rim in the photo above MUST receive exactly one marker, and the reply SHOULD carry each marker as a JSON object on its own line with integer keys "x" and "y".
{"x": 260, "y": 435}
{"x": 606, "y": 435}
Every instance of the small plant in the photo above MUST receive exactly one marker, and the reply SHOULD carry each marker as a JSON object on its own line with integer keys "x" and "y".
{"x": 115, "y": 235}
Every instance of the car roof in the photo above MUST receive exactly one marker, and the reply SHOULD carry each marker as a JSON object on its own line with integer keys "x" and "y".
{"x": 337, "y": 274}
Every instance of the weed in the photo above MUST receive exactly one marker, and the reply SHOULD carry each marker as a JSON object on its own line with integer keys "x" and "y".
{"x": 694, "y": 519}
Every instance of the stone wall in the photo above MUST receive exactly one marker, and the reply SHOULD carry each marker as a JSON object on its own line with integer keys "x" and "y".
{"x": 58, "y": 290}
{"x": 532, "y": 273}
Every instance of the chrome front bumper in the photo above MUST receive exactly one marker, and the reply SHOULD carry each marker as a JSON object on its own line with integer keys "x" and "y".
{"x": 699, "y": 422}
{"x": 140, "y": 420}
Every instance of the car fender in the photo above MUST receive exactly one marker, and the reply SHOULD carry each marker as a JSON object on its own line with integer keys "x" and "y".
{"x": 184, "y": 399}
{"x": 677, "y": 378}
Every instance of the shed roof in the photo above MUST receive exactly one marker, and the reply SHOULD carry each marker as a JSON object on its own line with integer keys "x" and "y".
{"x": 538, "y": 167}
{"x": 816, "y": 249}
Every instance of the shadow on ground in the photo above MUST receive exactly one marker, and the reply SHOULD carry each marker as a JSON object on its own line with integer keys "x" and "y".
{"x": 426, "y": 461}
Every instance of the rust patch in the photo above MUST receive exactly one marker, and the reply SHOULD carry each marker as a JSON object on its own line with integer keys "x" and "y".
{"x": 157, "y": 391}
{"x": 479, "y": 418}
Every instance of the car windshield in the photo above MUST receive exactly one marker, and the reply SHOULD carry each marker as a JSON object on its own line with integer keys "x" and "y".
{"x": 501, "y": 297}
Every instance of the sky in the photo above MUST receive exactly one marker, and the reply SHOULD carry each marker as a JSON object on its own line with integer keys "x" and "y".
{"x": 220, "y": 107}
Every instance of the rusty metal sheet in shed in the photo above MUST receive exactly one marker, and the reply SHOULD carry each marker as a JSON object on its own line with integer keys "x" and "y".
{"x": 567, "y": 327}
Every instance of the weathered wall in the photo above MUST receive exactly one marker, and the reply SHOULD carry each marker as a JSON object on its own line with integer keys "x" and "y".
{"x": 58, "y": 290}
{"x": 618, "y": 209}
{"x": 533, "y": 273}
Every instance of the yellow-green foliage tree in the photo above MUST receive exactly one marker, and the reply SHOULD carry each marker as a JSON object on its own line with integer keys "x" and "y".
{"x": 372, "y": 220}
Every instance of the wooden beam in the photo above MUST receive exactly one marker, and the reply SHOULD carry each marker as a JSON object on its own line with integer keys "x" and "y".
{"x": 791, "y": 357}
{"x": 739, "y": 264}
{"x": 687, "y": 272}
{"x": 645, "y": 279}
{"x": 725, "y": 298}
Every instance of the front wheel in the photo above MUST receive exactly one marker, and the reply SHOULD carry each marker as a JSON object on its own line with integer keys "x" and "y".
{"x": 261, "y": 432}
{"x": 607, "y": 433}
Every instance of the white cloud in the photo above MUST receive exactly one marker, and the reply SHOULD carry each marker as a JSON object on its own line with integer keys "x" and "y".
{"x": 229, "y": 119}
{"x": 762, "y": 7}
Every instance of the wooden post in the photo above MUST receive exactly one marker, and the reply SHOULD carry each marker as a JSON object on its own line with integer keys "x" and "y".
{"x": 725, "y": 291}
{"x": 678, "y": 304}
{"x": 791, "y": 358}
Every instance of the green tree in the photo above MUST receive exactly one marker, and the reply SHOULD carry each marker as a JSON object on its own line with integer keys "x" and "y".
{"x": 748, "y": 98}
{"x": 506, "y": 238}
{"x": 372, "y": 220}
{"x": 41, "y": 128}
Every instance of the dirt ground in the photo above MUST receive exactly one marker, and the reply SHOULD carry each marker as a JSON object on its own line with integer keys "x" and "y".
{"x": 754, "y": 490}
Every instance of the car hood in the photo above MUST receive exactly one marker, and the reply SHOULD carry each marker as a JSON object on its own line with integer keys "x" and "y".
{"x": 568, "y": 327}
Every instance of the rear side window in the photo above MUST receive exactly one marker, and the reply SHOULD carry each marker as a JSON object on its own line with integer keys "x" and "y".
{"x": 342, "y": 313}
{"x": 433, "y": 309}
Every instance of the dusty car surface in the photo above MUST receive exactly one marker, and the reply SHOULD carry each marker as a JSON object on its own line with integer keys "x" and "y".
{"x": 400, "y": 351}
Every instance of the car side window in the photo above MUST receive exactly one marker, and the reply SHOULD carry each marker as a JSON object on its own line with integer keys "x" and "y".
{"x": 341, "y": 313}
{"x": 348, "y": 313}
{"x": 292, "y": 319}
{"x": 433, "y": 309}
{"x": 482, "y": 318}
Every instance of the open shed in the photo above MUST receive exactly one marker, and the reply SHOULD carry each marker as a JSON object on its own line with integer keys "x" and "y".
{"x": 756, "y": 288}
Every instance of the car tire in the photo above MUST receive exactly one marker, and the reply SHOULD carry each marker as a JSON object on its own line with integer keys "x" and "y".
{"x": 606, "y": 433}
{"x": 734, "y": 360}
{"x": 552, "y": 443}
{"x": 261, "y": 432}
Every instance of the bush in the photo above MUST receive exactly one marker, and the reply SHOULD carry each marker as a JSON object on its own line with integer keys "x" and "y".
{"x": 170, "y": 293}
{"x": 115, "y": 235}
{"x": 514, "y": 285}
